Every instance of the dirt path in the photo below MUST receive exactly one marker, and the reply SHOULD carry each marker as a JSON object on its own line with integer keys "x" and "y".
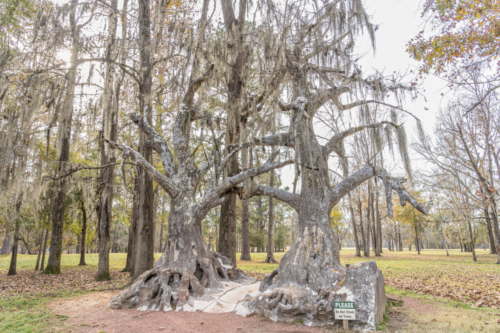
{"x": 91, "y": 314}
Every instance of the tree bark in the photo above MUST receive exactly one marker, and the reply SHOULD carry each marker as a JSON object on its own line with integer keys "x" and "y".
{"x": 491, "y": 238}
{"x": 363, "y": 236}
{"x": 472, "y": 246}
{"x": 45, "y": 213}
{"x": 378, "y": 248}
{"x": 64, "y": 139}
{"x": 109, "y": 131}
{"x": 17, "y": 222}
{"x": 145, "y": 225}
{"x": 354, "y": 229}
{"x": 417, "y": 244}
{"x": 238, "y": 57}
{"x": 51, "y": 210}
{"x": 270, "y": 227}
{"x": 132, "y": 233}
{"x": 7, "y": 242}
{"x": 245, "y": 212}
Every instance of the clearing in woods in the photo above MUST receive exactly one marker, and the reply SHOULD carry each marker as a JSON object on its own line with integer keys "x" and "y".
{"x": 440, "y": 294}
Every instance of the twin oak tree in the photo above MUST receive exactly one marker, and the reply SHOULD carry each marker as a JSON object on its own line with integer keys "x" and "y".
{"x": 186, "y": 261}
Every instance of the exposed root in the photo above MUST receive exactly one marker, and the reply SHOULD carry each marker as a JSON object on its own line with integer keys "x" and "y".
{"x": 164, "y": 289}
{"x": 362, "y": 283}
{"x": 268, "y": 280}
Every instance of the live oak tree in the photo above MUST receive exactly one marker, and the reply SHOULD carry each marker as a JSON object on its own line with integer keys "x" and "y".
{"x": 186, "y": 257}
{"x": 310, "y": 260}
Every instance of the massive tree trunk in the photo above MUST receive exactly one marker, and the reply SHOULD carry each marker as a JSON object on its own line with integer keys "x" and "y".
{"x": 109, "y": 131}
{"x": 186, "y": 261}
{"x": 64, "y": 139}
{"x": 310, "y": 271}
{"x": 144, "y": 259}
{"x": 238, "y": 55}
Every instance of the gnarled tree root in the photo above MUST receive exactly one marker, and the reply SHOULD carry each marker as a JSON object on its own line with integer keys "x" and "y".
{"x": 166, "y": 289}
{"x": 362, "y": 283}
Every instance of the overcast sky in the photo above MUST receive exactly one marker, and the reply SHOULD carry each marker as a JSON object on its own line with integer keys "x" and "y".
{"x": 398, "y": 21}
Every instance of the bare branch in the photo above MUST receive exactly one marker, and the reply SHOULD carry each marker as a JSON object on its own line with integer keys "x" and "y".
{"x": 282, "y": 195}
{"x": 231, "y": 182}
{"x": 284, "y": 139}
{"x": 193, "y": 86}
{"x": 166, "y": 183}
{"x": 158, "y": 144}
{"x": 335, "y": 143}
{"x": 391, "y": 183}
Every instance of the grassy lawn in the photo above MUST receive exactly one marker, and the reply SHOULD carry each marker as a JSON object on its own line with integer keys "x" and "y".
{"x": 455, "y": 282}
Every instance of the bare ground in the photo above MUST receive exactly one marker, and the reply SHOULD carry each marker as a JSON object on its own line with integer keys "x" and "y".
{"x": 90, "y": 314}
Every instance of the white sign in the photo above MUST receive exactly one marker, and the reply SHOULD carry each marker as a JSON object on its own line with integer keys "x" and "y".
{"x": 344, "y": 310}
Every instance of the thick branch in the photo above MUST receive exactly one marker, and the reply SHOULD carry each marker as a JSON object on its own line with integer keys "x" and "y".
{"x": 231, "y": 182}
{"x": 323, "y": 48}
{"x": 391, "y": 183}
{"x": 158, "y": 144}
{"x": 166, "y": 183}
{"x": 284, "y": 140}
{"x": 257, "y": 104}
{"x": 335, "y": 143}
{"x": 288, "y": 197}
{"x": 193, "y": 86}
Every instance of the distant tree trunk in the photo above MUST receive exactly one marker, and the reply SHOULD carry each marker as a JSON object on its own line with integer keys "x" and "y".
{"x": 417, "y": 245}
{"x": 7, "y": 242}
{"x": 51, "y": 209}
{"x": 378, "y": 248}
{"x": 113, "y": 247}
{"x": 270, "y": 227}
{"x": 245, "y": 212}
{"x": 462, "y": 247}
{"x": 17, "y": 222}
{"x": 83, "y": 238}
{"x": 354, "y": 229}
{"x": 132, "y": 233}
{"x": 13, "y": 259}
{"x": 472, "y": 245}
{"x": 373, "y": 222}
{"x": 445, "y": 243}
{"x": 367, "y": 236}
{"x": 64, "y": 136}
{"x": 363, "y": 238}
{"x": 45, "y": 213}
{"x": 216, "y": 238}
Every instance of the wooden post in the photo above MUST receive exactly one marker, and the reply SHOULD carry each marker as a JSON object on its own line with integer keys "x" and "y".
{"x": 346, "y": 325}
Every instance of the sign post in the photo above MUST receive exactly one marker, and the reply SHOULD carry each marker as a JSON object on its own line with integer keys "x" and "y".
{"x": 345, "y": 311}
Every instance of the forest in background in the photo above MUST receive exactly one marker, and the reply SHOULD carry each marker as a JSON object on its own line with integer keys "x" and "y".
{"x": 72, "y": 73}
